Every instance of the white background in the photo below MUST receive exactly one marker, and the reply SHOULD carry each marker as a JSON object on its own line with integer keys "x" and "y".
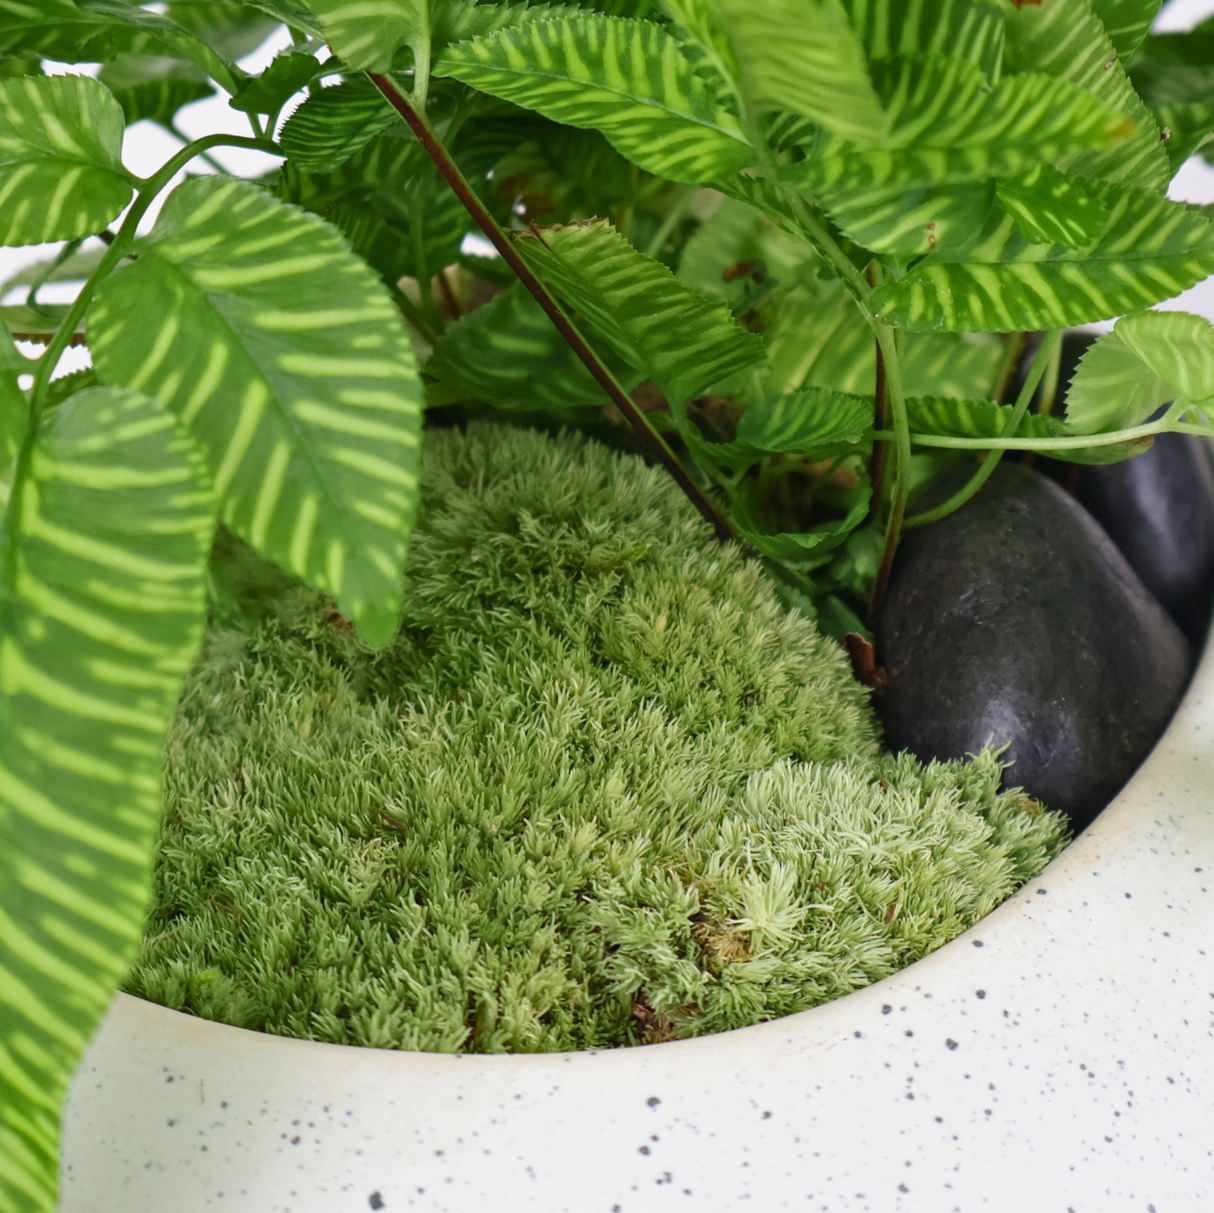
{"x": 148, "y": 146}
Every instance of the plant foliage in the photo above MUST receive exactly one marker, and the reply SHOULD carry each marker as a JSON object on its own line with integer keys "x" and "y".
{"x": 809, "y": 237}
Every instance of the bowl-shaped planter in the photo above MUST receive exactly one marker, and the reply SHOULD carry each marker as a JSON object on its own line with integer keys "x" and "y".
{"x": 1057, "y": 1056}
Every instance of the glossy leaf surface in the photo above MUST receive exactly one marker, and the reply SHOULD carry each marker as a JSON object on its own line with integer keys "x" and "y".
{"x": 286, "y": 358}
{"x": 101, "y": 611}
{"x": 627, "y": 79}
{"x": 61, "y": 173}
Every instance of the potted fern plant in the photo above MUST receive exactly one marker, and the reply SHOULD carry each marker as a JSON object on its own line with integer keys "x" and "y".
{"x": 791, "y": 253}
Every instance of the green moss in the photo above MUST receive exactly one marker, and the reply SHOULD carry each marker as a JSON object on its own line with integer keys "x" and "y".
{"x": 602, "y": 789}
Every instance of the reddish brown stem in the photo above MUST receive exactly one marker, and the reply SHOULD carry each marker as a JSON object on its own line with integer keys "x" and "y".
{"x": 877, "y": 461}
{"x": 605, "y": 379}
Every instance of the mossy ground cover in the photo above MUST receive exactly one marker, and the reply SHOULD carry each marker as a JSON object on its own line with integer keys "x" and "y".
{"x": 603, "y": 789}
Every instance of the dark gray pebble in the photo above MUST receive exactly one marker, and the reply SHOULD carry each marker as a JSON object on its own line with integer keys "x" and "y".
{"x": 1017, "y": 620}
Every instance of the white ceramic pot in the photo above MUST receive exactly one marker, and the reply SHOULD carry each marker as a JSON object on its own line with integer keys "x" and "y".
{"x": 1058, "y": 1057}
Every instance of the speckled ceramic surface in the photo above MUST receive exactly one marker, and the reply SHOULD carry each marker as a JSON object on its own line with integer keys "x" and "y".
{"x": 1058, "y": 1058}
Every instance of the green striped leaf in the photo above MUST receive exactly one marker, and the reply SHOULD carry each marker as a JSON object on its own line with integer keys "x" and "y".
{"x": 748, "y": 518}
{"x": 285, "y": 357}
{"x": 966, "y": 29}
{"x": 1147, "y": 360}
{"x": 1187, "y": 126}
{"x": 365, "y": 34}
{"x": 508, "y": 354}
{"x": 270, "y": 91}
{"x": 37, "y": 324}
{"x": 75, "y": 268}
{"x": 640, "y": 309}
{"x": 803, "y": 55}
{"x": 101, "y": 612}
{"x": 1064, "y": 38}
{"x": 912, "y": 223}
{"x": 168, "y": 36}
{"x": 463, "y": 20}
{"x": 963, "y": 135}
{"x": 1126, "y": 22}
{"x": 160, "y": 99}
{"x": 954, "y": 418}
{"x": 627, "y": 79}
{"x": 61, "y": 173}
{"x": 57, "y": 29}
{"x": 290, "y": 12}
{"x": 330, "y": 126}
{"x": 1150, "y": 249}
{"x": 1052, "y": 208}
{"x": 813, "y": 422}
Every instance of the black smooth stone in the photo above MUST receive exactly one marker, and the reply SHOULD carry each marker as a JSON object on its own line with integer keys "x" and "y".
{"x": 1158, "y": 508}
{"x": 1016, "y": 620}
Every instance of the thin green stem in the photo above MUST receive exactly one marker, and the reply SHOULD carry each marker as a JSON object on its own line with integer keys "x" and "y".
{"x": 412, "y": 313}
{"x": 901, "y": 469}
{"x": 40, "y": 279}
{"x": 185, "y": 139}
{"x": 1007, "y": 364}
{"x": 1074, "y": 442}
{"x": 674, "y": 217}
{"x": 547, "y": 301}
{"x": 987, "y": 470}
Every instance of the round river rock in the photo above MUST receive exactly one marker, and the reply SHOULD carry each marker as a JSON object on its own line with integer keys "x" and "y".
{"x": 1017, "y": 621}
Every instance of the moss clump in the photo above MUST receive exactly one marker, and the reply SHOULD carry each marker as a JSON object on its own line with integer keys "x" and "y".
{"x": 602, "y": 789}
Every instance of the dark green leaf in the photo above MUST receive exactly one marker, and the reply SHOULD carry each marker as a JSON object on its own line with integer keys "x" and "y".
{"x": 29, "y": 324}
{"x": 973, "y": 419}
{"x": 965, "y": 29}
{"x": 231, "y": 28}
{"x": 57, "y": 29}
{"x": 1187, "y": 127}
{"x": 1067, "y": 40}
{"x": 1126, "y": 22}
{"x": 813, "y": 422}
{"x": 382, "y": 247}
{"x": 508, "y": 354}
{"x": 288, "y": 361}
{"x": 328, "y": 127}
{"x": 650, "y": 319}
{"x": 1051, "y": 208}
{"x": 627, "y": 79}
{"x": 75, "y": 268}
{"x": 14, "y": 409}
{"x": 167, "y": 34}
{"x": 1151, "y": 249}
{"x": 61, "y": 173}
{"x": 747, "y": 517}
{"x": 269, "y": 92}
{"x": 291, "y": 12}
{"x": 160, "y": 100}
{"x": 102, "y": 593}
{"x": 912, "y": 223}
{"x": 803, "y": 55}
